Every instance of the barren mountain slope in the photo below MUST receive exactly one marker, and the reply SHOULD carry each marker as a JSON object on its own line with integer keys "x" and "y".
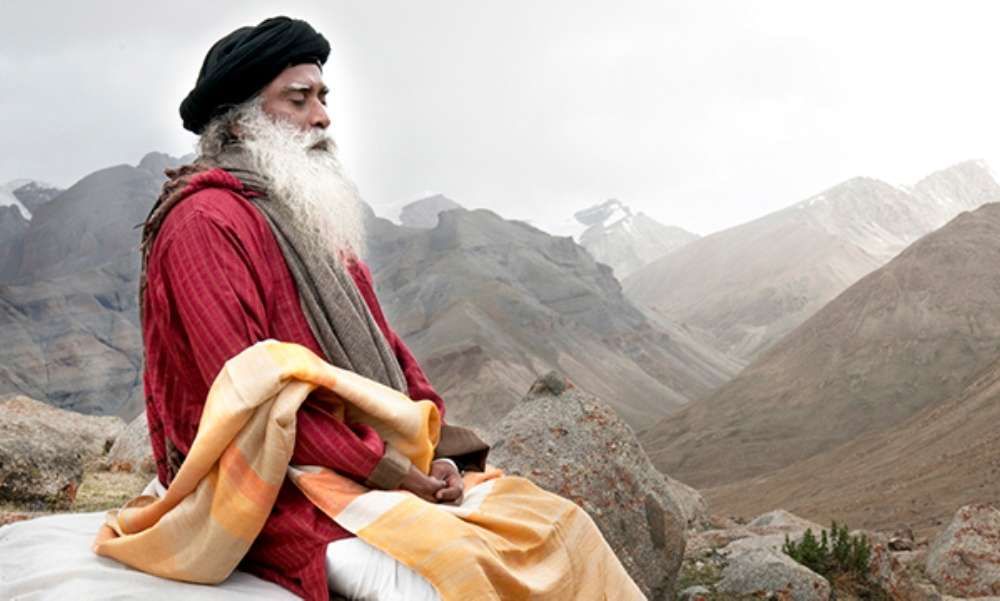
{"x": 488, "y": 304}
{"x": 750, "y": 285}
{"x": 912, "y": 334}
{"x": 916, "y": 473}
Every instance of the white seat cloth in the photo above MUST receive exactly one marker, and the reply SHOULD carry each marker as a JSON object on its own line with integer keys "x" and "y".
{"x": 360, "y": 572}
{"x": 50, "y": 558}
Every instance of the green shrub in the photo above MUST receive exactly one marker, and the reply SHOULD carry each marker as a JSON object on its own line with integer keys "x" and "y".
{"x": 840, "y": 558}
{"x": 833, "y": 554}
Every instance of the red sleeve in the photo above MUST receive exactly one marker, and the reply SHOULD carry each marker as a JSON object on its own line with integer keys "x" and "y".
{"x": 217, "y": 278}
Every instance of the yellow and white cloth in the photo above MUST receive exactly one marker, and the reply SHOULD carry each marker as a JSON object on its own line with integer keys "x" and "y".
{"x": 507, "y": 540}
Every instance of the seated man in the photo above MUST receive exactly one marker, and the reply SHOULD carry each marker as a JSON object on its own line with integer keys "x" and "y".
{"x": 259, "y": 239}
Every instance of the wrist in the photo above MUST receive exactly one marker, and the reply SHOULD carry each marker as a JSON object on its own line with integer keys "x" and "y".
{"x": 453, "y": 464}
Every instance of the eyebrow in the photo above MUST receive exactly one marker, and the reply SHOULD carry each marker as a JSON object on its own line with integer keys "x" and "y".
{"x": 302, "y": 87}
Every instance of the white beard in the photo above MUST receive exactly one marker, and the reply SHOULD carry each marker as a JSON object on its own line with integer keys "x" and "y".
{"x": 304, "y": 173}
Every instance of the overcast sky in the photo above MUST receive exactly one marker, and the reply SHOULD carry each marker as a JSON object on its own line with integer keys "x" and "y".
{"x": 702, "y": 114}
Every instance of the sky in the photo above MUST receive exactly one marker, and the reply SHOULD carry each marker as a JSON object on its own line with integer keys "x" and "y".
{"x": 702, "y": 114}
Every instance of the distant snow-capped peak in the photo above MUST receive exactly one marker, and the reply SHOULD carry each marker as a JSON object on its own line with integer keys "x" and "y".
{"x": 8, "y": 199}
{"x": 605, "y": 214}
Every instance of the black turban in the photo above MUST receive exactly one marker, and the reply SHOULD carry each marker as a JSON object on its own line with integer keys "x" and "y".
{"x": 245, "y": 61}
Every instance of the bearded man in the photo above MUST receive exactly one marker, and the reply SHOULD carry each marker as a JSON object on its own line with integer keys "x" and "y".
{"x": 258, "y": 239}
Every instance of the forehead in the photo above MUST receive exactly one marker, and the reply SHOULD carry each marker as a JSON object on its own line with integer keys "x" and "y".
{"x": 306, "y": 74}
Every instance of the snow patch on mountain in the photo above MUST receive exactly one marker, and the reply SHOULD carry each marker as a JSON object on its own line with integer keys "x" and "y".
{"x": 7, "y": 197}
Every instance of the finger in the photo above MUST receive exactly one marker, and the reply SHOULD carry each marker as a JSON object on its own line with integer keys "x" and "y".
{"x": 456, "y": 480}
{"x": 449, "y": 494}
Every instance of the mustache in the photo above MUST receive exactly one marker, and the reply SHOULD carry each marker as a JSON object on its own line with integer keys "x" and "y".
{"x": 324, "y": 144}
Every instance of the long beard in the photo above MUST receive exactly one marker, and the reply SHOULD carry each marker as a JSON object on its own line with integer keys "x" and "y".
{"x": 303, "y": 172}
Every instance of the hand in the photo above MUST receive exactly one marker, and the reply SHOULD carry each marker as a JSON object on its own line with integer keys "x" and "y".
{"x": 454, "y": 487}
{"x": 421, "y": 484}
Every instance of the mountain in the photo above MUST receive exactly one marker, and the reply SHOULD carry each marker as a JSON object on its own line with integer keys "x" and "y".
{"x": 69, "y": 326}
{"x": 89, "y": 224}
{"x": 618, "y": 237}
{"x": 13, "y": 226}
{"x": 625, "y": 240}
{"x": 33, "y": 194}
{"x": 750, "y": 285}
{"x": 906, "y": 337}
{"x": 487, "y": 304}
{"x": 423, "y": 213}
{"x": 916, "y": 472}
{"x": 8, "y": 199}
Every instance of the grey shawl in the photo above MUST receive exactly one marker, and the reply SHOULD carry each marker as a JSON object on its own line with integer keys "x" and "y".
{"x": 338, "y": 315}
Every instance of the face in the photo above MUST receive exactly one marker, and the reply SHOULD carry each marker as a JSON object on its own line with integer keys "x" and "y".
{"x": 298, "y": 96}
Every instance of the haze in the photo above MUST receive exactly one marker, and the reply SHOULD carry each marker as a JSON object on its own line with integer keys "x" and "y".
{"x": 702, "y": 114}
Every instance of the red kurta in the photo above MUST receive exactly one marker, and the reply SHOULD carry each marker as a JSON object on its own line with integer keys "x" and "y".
{"x": 217, "y": 282}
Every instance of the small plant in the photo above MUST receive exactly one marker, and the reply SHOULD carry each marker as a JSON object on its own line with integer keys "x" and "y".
{"x": 832, "y": 554}
{"x": 838, "y": 557}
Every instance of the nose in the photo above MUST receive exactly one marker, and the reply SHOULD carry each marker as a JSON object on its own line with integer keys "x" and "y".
{"x": 318, "y": 117}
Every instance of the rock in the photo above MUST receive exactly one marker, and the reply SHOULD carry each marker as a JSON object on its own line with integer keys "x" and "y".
{"x": 694, "y": 593}
{"x": 764, "y": 572}
{"x": 96, "y": 434}
{"x": 693, "y": 507}
{"x": 964, "y": 560}
{"x": 132, "y": 451}
{"x": 900, "y": 544}
{"x": 770, "y": 542}
{"x": 43, "y": 451}
{"x": 784, "y": 520}
{"x": 705, "y": 543}
{"x": 767, "y": 531}
{"x": 575, "y": 445}
{"x": 891, "y": 572}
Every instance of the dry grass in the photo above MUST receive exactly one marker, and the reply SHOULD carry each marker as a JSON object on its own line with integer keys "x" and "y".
{"x": 99, "y": 490}
{"x": 108, "y": 490}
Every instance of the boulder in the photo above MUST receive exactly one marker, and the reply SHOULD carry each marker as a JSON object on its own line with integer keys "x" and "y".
{"x": 767, "y": 531}
{"x": 785, "y": 521}
{"x": 964, "y": 560}
{"x": 132, "y": 451}
{"x": 762, "y": 572}
{"x": 44, "y": 450}
{"x": 692, "y": 505}
{"x": 569, "y": 442}
{"x": 893, "y": 574}
{"x": 694, "y": 593}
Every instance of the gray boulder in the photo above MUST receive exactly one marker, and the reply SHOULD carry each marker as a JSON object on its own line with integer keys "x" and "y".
{"x": 693, "y": 507}
{"x": 44, "y": 450}
{"x": 964, "y": 560}
{"x": 132, "y": 451}
{"x": 895, "y": 573}
{"x": 569, "y": 442}
{"x": 764, "y": 572}
{"x": 785, "y": 521}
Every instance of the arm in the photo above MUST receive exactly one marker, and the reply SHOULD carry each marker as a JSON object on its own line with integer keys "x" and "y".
{"x": 460, "y": 444}
{"x": 217, "y": 278}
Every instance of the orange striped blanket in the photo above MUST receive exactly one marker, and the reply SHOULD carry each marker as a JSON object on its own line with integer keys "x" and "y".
{"x": 508, "y": 539}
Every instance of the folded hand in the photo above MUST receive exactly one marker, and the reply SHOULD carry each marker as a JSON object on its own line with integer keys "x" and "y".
{"x": 453, "y": 488}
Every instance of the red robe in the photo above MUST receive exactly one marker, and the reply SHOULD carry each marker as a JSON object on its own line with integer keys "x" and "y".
{"x": 217, "y": 282}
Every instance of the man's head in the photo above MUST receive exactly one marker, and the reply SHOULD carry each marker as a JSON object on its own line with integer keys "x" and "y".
{"x": 248, "y": 60}
{"x": 279, "y": 125}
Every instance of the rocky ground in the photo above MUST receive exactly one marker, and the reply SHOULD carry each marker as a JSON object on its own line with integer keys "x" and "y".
{"x": 55, "y": 460}
{"x": 570, "y": 442}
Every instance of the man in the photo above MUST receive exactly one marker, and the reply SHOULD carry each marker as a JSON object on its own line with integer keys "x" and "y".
{"x": 259, "y": 239}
